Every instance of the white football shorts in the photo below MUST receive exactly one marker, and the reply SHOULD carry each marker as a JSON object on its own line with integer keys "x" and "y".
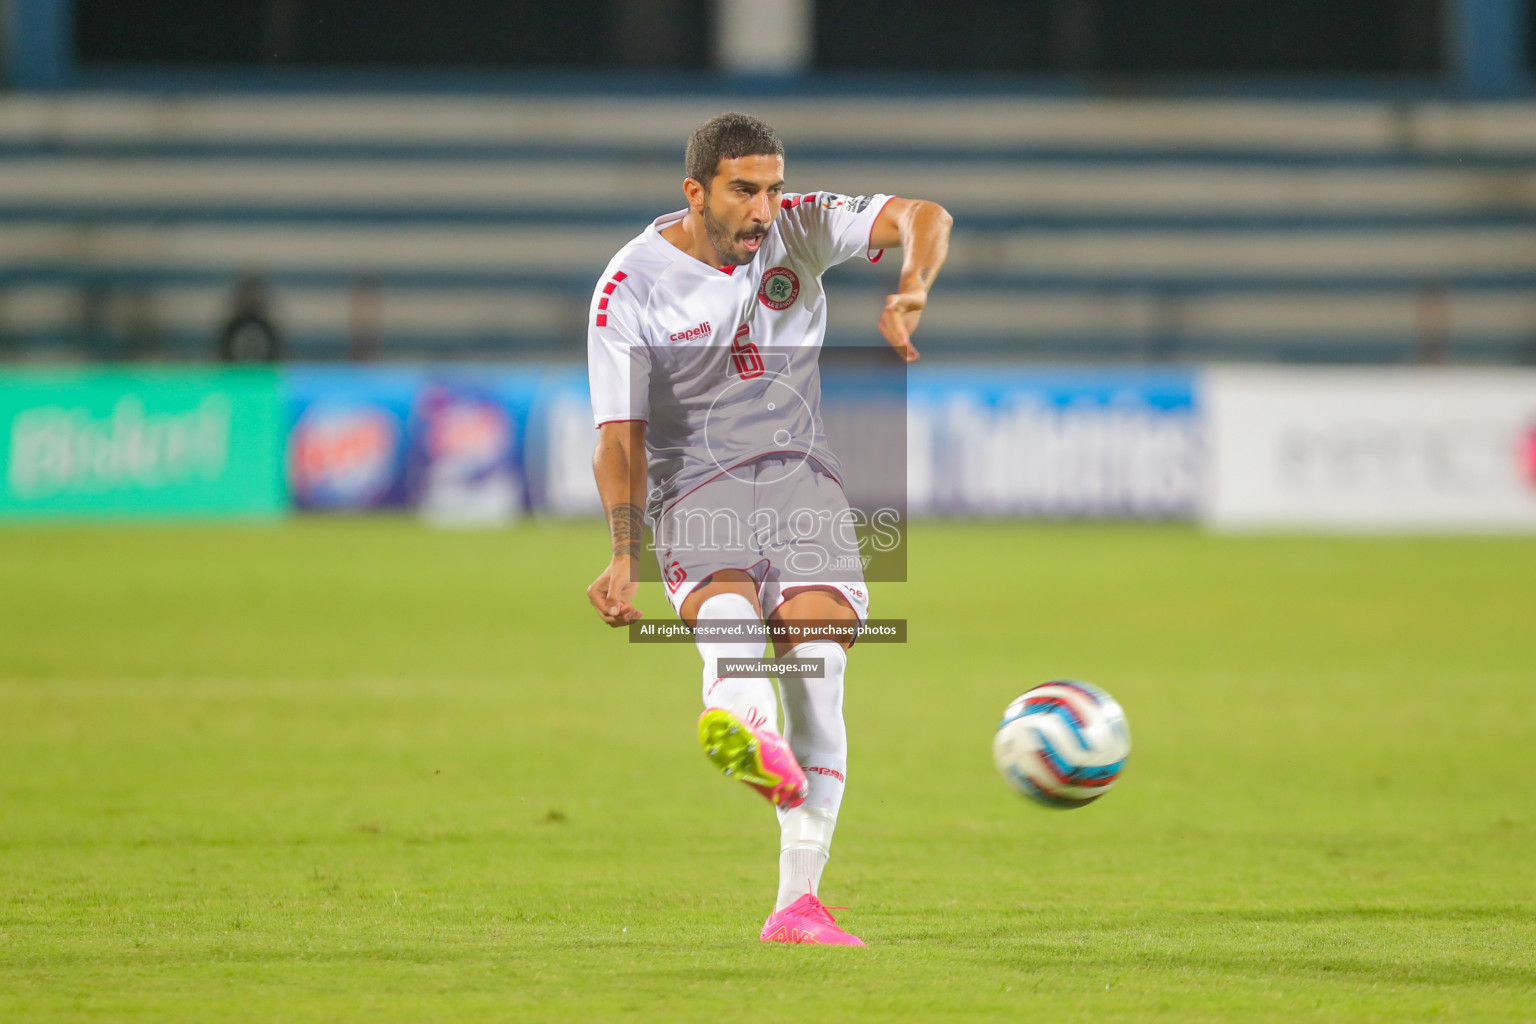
{"x": 783, "y": 519}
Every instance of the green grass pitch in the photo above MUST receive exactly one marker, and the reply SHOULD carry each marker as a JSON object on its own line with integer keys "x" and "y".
{"x": 362, "y": 771}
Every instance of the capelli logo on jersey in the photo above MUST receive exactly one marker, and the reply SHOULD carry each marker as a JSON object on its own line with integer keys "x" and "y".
{"x": 703, "y": 330}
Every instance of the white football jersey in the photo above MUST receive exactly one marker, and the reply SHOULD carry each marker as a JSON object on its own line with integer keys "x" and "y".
{"x": 722, "y": 364}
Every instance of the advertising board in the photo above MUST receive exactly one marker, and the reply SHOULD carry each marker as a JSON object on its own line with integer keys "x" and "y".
{"x": 85, "y": 443}
{"x": 1059, "y": 444}
{"x": 1372, "y": 449}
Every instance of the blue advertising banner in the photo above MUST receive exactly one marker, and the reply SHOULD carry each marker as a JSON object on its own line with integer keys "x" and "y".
{"x": 484, "y": 444}
{"x": 463, "y": 466}
{"x": 1018, "y": 442}
{"x": 448, "y": 441}
{"x": 347, "y": 438}
{"x": 1004, "y": 441}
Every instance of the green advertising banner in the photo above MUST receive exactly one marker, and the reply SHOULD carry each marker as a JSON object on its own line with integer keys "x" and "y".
{"x": 176, "y": 443}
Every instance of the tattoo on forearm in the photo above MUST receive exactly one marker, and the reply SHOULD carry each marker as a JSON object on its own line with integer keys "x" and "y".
{"x": 626, "y": 523}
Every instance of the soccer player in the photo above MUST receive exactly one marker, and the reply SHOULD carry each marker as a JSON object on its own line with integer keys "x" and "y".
{"x": 702, "y": 347}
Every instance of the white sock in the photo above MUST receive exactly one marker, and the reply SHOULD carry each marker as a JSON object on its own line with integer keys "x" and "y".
{"x": 805, "y": 845}
{"x": 750, "y": 699}
{"x": 813, "y": 724}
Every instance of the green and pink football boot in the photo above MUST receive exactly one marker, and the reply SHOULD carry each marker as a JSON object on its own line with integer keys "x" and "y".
{"x": 759, "y": 757}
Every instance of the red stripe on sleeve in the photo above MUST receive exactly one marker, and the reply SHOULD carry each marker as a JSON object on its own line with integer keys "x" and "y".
{"x": 602, "y": 303}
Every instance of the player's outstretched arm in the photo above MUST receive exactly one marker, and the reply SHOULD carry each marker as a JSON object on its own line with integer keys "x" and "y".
{"x": 619, "y": 465}
{"x": 921, "y": 230}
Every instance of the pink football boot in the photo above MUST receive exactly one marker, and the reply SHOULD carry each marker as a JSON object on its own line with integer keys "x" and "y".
{"x": 807, "y": 920}
{"x": 758, "y": 757}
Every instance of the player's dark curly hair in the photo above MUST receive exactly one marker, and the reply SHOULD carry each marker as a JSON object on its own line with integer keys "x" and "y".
{"x": 726, "y": 137}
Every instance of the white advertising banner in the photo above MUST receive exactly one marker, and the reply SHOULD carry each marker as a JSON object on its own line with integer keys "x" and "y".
{"x": 1371, "y": 449}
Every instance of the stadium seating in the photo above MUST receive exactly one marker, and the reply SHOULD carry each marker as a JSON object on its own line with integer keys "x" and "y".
{"x": 472, "y": 225}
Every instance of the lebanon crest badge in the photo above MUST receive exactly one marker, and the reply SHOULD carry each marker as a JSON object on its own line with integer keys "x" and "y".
{"x": 780, "y": 288}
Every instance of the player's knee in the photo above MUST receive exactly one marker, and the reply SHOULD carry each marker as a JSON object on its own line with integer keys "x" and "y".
{"x": 726, "y": 605}
{"x": 833, "y": 654}
{"x": 729, "y": 581}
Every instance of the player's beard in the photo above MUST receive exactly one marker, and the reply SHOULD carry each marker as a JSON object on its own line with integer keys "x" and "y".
{"x": 726, "y": 241}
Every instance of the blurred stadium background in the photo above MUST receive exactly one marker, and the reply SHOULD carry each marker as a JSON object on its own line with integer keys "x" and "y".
{"x": 1249, "y": 264}
{"x": 402, "y": 197}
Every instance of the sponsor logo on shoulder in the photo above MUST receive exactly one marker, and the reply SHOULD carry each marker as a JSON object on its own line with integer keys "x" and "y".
{"x": 828, "y": 201}
{"x": 703, "y": 330}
